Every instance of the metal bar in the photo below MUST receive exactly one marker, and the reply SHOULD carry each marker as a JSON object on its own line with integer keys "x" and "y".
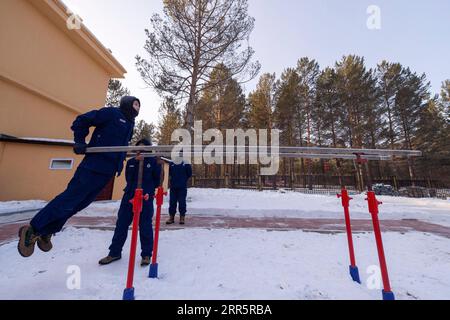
{"x": 349, "y": 156}
{"x": 281, "y": 155}
{"x": 332, "y": 156}
{"x": 385, "y": 152}
{"x": 313, "y": 150}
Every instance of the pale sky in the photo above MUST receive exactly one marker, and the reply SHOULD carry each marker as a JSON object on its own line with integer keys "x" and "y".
{"x": 414, "y": 33}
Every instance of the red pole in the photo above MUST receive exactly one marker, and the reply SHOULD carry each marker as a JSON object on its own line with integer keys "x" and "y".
{"x": 159, "y": 202}
{"x": 373, "y": 209}
{"x": 137, "y": 202}
{"x": 354, "y": 273}
{"x": 137, "y": 207}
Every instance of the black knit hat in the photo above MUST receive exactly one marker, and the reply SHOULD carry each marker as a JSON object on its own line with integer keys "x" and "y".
{"x": 144, "y": 142}
{"x": 126, "y": 106}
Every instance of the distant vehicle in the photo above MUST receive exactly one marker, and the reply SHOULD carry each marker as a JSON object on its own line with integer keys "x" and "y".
{"x": 384, "y": 190}
{"x": 417, "y": 192}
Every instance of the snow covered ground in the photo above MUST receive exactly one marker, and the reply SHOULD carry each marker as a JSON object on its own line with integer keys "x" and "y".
{"x": 7, "y": 207}
{"x": 298, "y": 205}
{"x": 248, "y": 203}
{"x": 240, "y": 263}
{"x": 231, "y": 264}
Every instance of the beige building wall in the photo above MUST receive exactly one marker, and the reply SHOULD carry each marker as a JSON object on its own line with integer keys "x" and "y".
{"x": 25, "y": 172}
{"x": 41, "y": 60}
{"x": 25, "y": 114}
{"x": 48, "y": 75}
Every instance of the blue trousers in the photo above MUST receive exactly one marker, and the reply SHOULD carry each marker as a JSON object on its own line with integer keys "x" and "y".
{"x": 178, "y": 197}
{"x": 124, "y": 220}
{"x": 81, "y": 191}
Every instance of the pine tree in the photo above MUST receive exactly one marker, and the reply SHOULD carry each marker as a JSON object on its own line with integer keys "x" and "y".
{"x": 261, "y": 106}
{"x": 262, "y": 103}
{"x": 357, "y": 94}
{"x": 432, "y": 137}
{"x": 355, "y": 85}
{"x": 445, "y": 100}
{"x": 221, "y": 106}
{"x": 143, "y": 130}
{"x": 410, "y": 99}
{"x": 287, "y": 104}
{"x": 390, "y": 77}
{"x": 115, "y": 92}
{"x": 372, "y": 106}
{"x": 444, "y": 109}
{"x": 190, "y": 40}
{"x": 328, "y": 111}
{"x": 308, "y": 72}
{"x": 170, "y": 120}
{"x": 328, "y": 114}
{"x": 429, "y": 136}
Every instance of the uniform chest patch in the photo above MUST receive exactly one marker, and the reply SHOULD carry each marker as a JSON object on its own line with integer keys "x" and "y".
{"x": 123, "y": 121}
{"x": 149, "y": 166}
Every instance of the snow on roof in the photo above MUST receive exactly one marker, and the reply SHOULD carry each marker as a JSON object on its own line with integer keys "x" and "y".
{"x": 47, "y": 140}
{"x": 35, "y": 140}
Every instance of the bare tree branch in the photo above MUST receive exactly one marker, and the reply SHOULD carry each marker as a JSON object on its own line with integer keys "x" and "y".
{"x": 190, "y": 40}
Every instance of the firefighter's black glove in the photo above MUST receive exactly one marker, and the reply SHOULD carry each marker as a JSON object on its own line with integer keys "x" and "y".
{"x": 80, "y": 148}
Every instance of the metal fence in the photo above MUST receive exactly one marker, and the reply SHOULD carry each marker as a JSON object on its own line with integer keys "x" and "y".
{"x": 322, "y": 184}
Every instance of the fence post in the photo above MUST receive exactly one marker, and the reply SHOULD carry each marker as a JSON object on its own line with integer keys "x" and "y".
{"x": 395, "y": 183}
{"x": 227, "y": 181}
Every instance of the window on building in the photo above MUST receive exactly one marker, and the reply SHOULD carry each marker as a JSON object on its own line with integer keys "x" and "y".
{"x": 61, "y": 164}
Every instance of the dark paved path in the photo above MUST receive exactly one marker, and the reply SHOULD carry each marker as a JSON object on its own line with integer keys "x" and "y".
{"x": 8, "y": 231}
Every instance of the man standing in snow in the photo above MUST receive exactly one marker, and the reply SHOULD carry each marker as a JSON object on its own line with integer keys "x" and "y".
{"x": 113, "y": 127}
{"x": 179, "y": 174}
{"x": 150, "y": 181}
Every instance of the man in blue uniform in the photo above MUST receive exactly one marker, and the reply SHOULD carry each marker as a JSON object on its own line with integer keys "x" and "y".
{"x": 150, "y": 181}
{"x": 113, "y": 127}
{"x": 179, "y": 175}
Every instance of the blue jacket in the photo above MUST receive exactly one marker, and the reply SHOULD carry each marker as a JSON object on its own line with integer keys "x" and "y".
{"x": 179, "y": 175}
{"x": 150, "y": 178}
{"x": 112, "y": 128}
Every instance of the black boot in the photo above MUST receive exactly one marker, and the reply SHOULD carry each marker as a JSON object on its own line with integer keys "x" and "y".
{"x": 27, "y": 241}
{"x": 145, "y": 261}
{"x": 44, "y": 243}
{"x": 107, "y": 260}
{"x": 171, "y": 220}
